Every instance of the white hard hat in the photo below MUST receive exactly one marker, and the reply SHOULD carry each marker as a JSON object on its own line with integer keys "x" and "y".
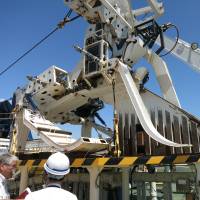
{"x": 57, "y": 164}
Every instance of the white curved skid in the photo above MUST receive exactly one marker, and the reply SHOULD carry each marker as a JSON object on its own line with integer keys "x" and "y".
{"x": 140, "y": 108}
{"x": 86, "y": 144}
{"x": 59, "y": 139}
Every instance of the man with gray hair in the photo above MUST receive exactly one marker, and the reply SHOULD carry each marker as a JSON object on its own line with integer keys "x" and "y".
{"x": 8, "y": 165}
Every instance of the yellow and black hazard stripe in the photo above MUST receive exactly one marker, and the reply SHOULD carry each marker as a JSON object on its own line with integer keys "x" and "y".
{"x": 120, "y": 162}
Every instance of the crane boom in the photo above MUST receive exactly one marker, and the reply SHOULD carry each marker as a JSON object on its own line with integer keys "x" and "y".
{"x": 189, "y": 53}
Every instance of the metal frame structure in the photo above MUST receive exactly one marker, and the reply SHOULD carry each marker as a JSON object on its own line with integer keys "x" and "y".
{"x": 145, "y": 124}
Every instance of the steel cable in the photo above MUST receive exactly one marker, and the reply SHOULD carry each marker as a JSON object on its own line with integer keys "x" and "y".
{"x": 59, "y": 26}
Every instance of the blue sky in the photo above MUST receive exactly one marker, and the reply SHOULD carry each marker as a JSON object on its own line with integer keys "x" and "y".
{"x": 25, "y": 22}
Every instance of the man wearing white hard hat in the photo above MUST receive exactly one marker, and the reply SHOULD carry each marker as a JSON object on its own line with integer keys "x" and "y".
{"x": 56, "y": 167}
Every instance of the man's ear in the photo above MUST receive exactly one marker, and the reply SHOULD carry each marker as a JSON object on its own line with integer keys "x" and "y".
{"x": 44, "y": 176}
{"x": 1, "y": 166}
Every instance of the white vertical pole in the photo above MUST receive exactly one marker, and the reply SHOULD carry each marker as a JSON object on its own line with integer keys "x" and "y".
{"x": 94, "y": 182}
{"x": 153, "y": 191}
{"x": 125, "y": 183}
{"x": 23, "y": 178}
{"x": 86, "y": 130}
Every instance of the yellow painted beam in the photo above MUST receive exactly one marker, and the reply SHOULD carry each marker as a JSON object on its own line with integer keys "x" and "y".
{"x": 99, "y": 162}
{"x": 78, "y": 162}
{"x": 127, "y": 161}
{"x": 180, "y": 159}
{"x": 155, "y": 160}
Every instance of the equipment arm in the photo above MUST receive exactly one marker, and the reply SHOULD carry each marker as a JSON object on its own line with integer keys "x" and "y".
{"x": 189, "y": 53}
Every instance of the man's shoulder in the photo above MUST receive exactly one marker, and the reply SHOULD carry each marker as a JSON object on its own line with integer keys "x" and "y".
{"x": 51, "y": 191}
{"x": 2, "y": 178}
{"x": 69, "y": 194}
